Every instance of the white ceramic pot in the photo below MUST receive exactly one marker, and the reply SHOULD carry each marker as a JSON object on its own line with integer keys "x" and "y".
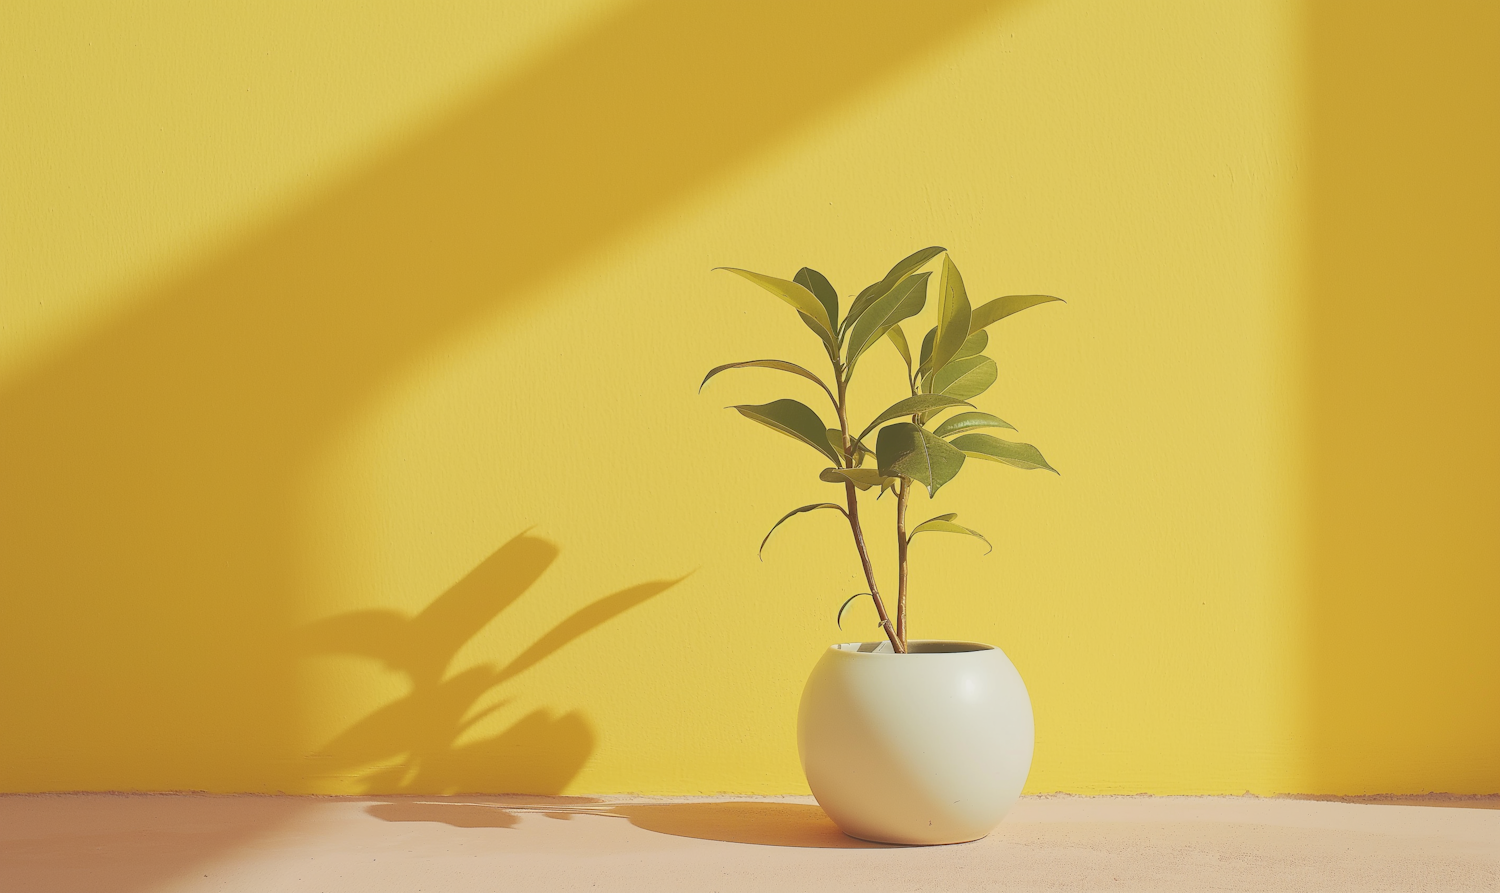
{"x": 921, "y": 748}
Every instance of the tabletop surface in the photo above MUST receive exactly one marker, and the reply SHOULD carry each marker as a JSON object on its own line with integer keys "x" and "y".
{"x": 135, "y": 843}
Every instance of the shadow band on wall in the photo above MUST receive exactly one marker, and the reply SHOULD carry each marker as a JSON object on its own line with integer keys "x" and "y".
{"x": 155, "y": 470}
{"x": 1403, "y": 398}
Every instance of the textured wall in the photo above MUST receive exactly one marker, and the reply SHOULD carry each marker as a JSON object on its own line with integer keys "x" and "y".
{"x": 349, "y": 434}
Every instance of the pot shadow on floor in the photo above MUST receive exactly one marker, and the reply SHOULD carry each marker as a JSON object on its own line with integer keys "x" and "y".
{"x": 424, "y": 741}
{"x": 731, "y": 821}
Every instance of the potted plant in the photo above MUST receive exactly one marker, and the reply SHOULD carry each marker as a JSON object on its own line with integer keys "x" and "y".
{"x": 904, "y": 740}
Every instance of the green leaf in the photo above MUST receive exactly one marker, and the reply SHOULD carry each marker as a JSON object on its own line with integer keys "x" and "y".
{"x": 874, "y": 292}
{"x": 794, "y": 512}
{"x": 1000, "y": 308}
{"x": 912, "y": 406}
{"x": 968, "y": 421}
{"x": 953, "y": 316}
{"x": 795, "y": 294}
{"x": 840, "y": 619}
{"x": 926, "y": 358}
{"x": 836, "y": 440}
{"x": 966, "y": 378}
{"x": 898, "y": 338}
{"x": 974, "y": 345}
{"x": 944, "y": 524}
{"x": 906, "y": 265}
{"x": 906, "y": 450}
{"x": 795, "y": 420}
{"x": 823, "y": 290}
{"x": 1018, "y": 455}
{"x": 903, "y": 301}
{"x": 782, "y": 365}
{"x": 863, "y": 478}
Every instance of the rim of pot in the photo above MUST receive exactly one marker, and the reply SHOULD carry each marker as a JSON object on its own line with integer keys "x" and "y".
{"x": 915, "y": 646}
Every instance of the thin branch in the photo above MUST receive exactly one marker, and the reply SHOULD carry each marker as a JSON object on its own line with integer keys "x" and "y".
{"x": 902, "y": 543}
{"x": 851, "y": 494}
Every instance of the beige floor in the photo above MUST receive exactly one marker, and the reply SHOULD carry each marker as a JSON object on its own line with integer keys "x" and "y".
{"x": 91, "y": 842}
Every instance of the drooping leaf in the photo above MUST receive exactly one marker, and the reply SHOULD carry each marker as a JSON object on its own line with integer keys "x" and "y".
{"x": 966, "y": 378}
{"x": 953, "y": 316}
{"x": 873, "y": 292}
{"x": 993, "y": 311}
{"x": 912, "y": 406}
{"x": 974, "y": 345}
{"x": 794, "y": 512}
{"x": 944, "y": 524}
{"x": 1018, "y": 455}
{"x": 782, "y": 365}
{"x": 863, "y": 478}
{"x": 840, "y": 619}
{"x": 903, "y": 301}
{"x": 795, "y": 294}
{"x": 904, "y": 449}
{"x": 898, "y": 338}
{"x": 823, "y": 290}
{"x": 968, "y": 421}
{"x": 795, "y": 420}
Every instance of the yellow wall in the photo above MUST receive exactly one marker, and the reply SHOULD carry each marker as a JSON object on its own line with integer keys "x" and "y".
{"x": 349, "y": 434}
{"x": 1402, "y": 397}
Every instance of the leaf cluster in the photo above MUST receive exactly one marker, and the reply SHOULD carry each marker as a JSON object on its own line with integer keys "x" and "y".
{"x": 948, "y": 371}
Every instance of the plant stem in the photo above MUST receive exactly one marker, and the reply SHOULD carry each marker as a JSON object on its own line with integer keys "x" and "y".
{"x": 901, "y": 541}
{"x": 901, "y": 546}
{"x": 864, "y": 557}
{"x": 851, "y": 493}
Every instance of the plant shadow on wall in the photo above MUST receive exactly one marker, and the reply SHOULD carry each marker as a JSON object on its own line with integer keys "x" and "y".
{"x": 424, "y": 741}
{"x": 156, "y": 469}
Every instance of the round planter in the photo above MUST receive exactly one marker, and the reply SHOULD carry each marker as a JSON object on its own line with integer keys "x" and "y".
{"x": 921, "y": 748}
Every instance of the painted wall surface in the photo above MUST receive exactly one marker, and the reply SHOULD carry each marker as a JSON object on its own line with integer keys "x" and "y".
{"x": 349, "y": 429}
